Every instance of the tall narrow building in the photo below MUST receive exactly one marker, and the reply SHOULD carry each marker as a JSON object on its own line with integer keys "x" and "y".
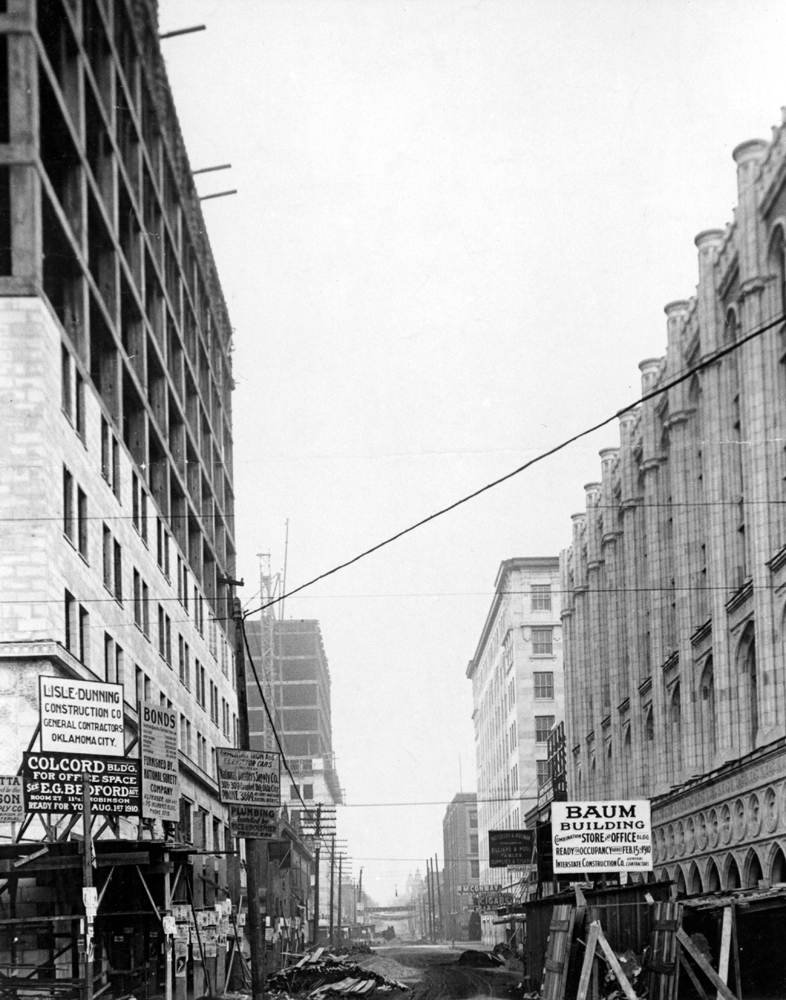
{"x": 517, "y": 694}
{"x": 115, "y": 392}
{"x": 462, "y": 868}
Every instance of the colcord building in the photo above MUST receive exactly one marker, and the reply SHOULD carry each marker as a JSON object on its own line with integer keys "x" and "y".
{"x": 116, "y": 496}
{"x": 675, "y": 584}
{"x": 517, "y": 694}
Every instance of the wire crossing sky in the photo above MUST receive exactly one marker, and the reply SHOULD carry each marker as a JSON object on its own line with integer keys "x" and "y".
{"x": 456, "y": 227}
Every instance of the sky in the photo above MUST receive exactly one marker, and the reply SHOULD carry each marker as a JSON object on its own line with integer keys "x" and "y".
{"x": 456, "y": 227}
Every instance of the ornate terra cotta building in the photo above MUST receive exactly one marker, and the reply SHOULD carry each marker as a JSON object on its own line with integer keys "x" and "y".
{"x": 675, "y": 584}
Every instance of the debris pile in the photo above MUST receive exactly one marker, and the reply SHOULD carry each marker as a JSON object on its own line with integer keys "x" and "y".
{"x": 481, "y": 959}
{"x": 321, "y": 976}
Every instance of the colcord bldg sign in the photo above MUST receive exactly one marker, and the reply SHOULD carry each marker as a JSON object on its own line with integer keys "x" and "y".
{"x": 601, "y": 836}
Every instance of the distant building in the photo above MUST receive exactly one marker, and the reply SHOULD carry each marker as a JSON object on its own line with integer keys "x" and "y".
{"x": 517, "y": 693}
{"x": 675, "y": 584}
{"x": 460, "y": 846}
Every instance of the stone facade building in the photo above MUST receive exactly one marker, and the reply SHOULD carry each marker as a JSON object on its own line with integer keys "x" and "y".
{"x": 462, "y": 867}
{"x": 517, "y": 694}
{"x": 675, "y": 584}
{"x": 116, "y": 496}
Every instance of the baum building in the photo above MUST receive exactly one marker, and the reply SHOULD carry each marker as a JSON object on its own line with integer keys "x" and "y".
{"x": 675, "y": 583}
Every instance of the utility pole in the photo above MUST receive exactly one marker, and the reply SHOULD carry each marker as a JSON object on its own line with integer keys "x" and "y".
{"x": 317, "y": 834}
{"x": 439, "y": 899}
{"x": 253, "y": 845}
{"x": 87, "y": 882}
{"x": 340, "y": 859}
{"x": 430, "y": 888}
{"x": 332, "y": 879}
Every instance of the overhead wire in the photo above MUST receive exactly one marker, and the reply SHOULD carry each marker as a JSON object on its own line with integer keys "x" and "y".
{"x": 706, "y": 361}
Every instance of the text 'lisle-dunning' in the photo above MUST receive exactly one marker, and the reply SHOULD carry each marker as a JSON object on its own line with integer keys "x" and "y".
{"x": 602, "y": 836}
{"x": 81, "y": 716}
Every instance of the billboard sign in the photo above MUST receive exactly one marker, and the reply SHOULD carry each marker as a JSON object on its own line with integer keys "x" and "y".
{"x": 81, "y": 716}
{"x": 52, "y": 783}
{"x": 12, "y": 806}
{"x": 510, "y": 847}
{"x": 601, "y": 836}
{"x": 160, "y": 773}
{"x": 255, "y": 822}
{"x": 249, "y": 777}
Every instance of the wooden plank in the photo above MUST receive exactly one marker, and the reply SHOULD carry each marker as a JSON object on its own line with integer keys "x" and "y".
{"x": 616, "y": 968}
{"x": 725, "y": 948}
{"x": 558, "y": 952}
{"x": 589, "y": 957}
{"x": 704, "y": 965}
{"x": 736, "y": 952}
{"x": 692, "y": 976}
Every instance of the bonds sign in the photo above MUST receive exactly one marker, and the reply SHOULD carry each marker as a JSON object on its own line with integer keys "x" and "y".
{"x": 602, "y": 836}
{"x": 81, "y": 716}
{"x": 160, "y": 774}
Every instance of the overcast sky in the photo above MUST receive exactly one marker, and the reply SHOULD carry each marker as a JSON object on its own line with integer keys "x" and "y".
{"x": 457, "y": 226}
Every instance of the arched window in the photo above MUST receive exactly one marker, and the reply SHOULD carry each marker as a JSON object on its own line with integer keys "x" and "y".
{"x": 713, "y": 878}
{"x": 748, "y": 689}
{"x": 627, "y": 760}
{"x": 778, "y": 867}
{"x": 649, "y": 740}
{"x": 709, "y": 732}
{"x": 753, "y": 871}
{"x": 680, "y": 885}
{"x": 733, "y": 446}
{"x": 733, "y": 880}
{"x": 675, "y": 742}
{"x": 694, "y": 881}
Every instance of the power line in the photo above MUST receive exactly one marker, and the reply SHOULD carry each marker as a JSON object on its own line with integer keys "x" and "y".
{"x": 708, "y": 360}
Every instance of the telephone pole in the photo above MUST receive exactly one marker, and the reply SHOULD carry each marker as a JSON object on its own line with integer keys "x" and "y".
{"x": 254, "y": 847}
{"x": 317, "y": 834}
{"x": 439, "y": 898}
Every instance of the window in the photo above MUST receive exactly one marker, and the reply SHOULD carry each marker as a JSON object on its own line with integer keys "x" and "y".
{"x": 293, "y": 794}
{"x": 541, "y": 642}
{"x": 186, "y": 809}
{"x": 79, "y": 403}
{"x": 514, "y": 778}
{"x": 139, "y": 507}
{"x": 164, "y": 636}
{"x": 185, "y": 735}
{"x": 473, "y": 820}
{"x": 474, "y": 870}
{"x": 71, "y": 643}
{"x": 118, "y": 572}
{"x": 308, "y": 791}
{"x": 67, "y": 387}
{"x": 544, "y": 684}
{"x": 541, "y": 597}
{"x": 543, "y": 772}
{"x": 110, "y": 458}
{"x": 69, "y": 520}
{"x": 512, "y": 693}
{"x": 213, "y": 703}
{"x": 81, "y": 517}
{"x": 199, "y": 680}
{"x": 162, "y": 547}
{"x": 109, "y": 658}
{"x": 145, "y": 610}
{"x": 512, "y": 736}
{"x": 225, "y": 717}
{"x": 473, "y": 843}
{"x": 84, "y": 635}
{"x": 137, "y": 600}
{"x": 184, "y": 666}
{"x": 543, "y": 726}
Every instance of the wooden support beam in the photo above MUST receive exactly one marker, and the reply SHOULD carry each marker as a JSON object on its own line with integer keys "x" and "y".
{"x": 149, "y": 896}
{"x": 615, "y": 966}
{"x": 736, "y": 951}
{"x": 589, "y": 958}
{"x": 723, "y": 990}
{"x": 725, "y": 948}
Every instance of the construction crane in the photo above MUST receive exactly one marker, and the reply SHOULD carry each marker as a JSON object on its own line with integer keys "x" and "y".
{"x": 271, "y": 681}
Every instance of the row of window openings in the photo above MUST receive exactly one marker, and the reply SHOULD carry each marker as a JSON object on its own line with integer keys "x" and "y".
{"x": 73, "y": 406}
{"x": 77, "y": 626}
{"x": 227, "y": 720}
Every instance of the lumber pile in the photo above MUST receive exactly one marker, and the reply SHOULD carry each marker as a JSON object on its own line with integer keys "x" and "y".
{"x": 320, "y": 975}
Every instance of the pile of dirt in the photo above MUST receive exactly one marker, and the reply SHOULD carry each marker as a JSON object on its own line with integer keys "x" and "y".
{"x": 480, "y": 959}
{"x": 388, "y": 967}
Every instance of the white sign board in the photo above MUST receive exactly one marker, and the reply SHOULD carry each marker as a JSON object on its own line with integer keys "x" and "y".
{"x": 12, "y": 807}
{"x": 602, "y": 836}
{"x": 160, "y": 774}
{"x": 90, "y": 900}
{"x": 81, "y": 716}
{"x": 249, "y": 777}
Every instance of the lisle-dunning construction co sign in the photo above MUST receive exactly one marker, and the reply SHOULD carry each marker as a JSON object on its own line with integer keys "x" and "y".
{"x": 602, "y": 836}
{"x": 81, "y": 716}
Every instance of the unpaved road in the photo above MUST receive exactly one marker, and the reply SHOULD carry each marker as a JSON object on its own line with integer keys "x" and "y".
{"x": 443, "y": 979}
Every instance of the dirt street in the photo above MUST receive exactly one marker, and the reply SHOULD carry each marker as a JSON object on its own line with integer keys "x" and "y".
{"x": 443, "y": 979}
